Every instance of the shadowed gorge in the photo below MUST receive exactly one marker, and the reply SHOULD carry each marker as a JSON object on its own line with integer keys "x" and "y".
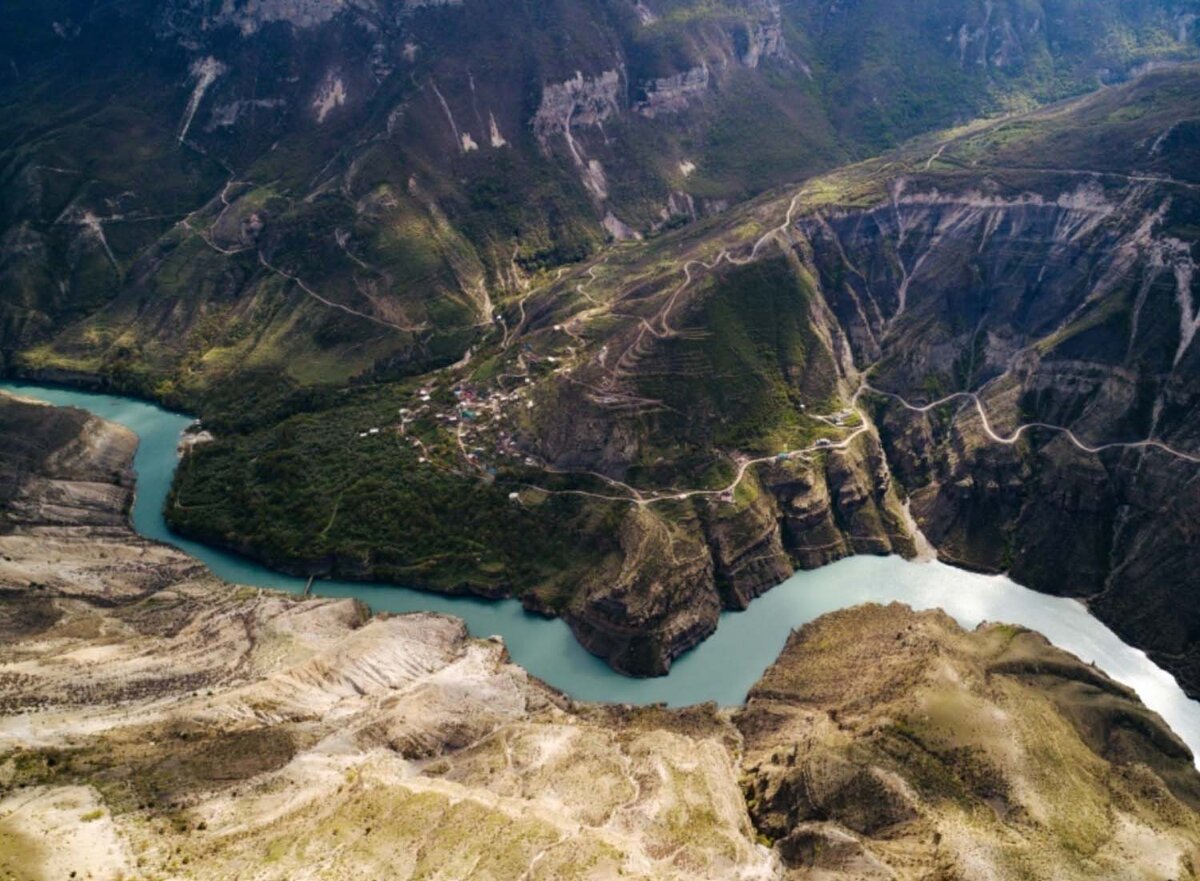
{"x": 747, "y": 396}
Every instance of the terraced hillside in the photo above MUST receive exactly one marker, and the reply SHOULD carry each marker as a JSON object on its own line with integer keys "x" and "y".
{"x": 307, "y": 194}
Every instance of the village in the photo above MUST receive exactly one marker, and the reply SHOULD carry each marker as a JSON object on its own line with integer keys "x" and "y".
{"x": 473, "y": 426}
{"x": 466, "y": 429}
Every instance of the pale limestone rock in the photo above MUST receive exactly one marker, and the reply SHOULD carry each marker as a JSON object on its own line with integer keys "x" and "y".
{"x": 673, "y": 94}
{"x": 580, "y": 102}
{"x": 329, "y": 97}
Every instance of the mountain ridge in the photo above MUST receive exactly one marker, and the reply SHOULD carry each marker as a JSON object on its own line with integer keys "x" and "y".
{"x": 672, "y": 426}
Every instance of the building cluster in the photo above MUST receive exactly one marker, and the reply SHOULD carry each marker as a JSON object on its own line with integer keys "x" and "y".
{"x": 475, "y": 420}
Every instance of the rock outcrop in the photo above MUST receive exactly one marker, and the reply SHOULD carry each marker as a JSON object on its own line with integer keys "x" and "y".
{"x": 672, "y": 94}
{"x": 891, "y": 744}
{"x": 580, "y": 102}
{"x": 156, "y": 721}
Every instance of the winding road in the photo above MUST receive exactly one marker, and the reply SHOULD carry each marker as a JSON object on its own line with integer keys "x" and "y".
{"x": 1016, "y": 435}
{"x": 664, "y": 329}
{"x": 643, "y": 500}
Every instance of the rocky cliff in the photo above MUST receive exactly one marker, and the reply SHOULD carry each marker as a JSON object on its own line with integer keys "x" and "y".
{"x": 155, "y": 721}
{"x": 1058, "y": 300}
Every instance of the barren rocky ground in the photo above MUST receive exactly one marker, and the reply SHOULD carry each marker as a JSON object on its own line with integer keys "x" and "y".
{"x": 157, "y": 723}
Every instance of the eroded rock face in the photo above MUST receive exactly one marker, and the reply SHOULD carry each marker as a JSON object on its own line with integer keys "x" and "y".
{"x": 672, "y": 94}
{"x": 248, "y": 16}
{"x": 139, "y": 689}
{"x": 1070, "y": 308}
{"x": 580, "y": 102}
{"x": 186, "y": 726}
{"x": 677, "y": 574}
{"x": 62, "y": 468}
{"x": 948, "y": 749}
{"x": 654, "y": 603}
{"x": 764, "y": 35}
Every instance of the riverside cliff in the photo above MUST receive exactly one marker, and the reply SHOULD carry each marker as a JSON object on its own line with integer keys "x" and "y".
{"x": 679, "y": 424}
{"x": 157, "y": 722}
{"x": 588, "y": 320}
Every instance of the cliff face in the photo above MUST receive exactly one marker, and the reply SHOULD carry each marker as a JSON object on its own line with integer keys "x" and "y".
{"x": 681, "y": 567}
{"x": 66, "y": 485}
{"x": 63, "y": 469}
{"x": 1062, "y": 299}
{"x": 156, "y": 721}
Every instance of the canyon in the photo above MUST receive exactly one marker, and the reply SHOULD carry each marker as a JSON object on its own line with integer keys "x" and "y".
{"x": 626, "y": 312}
{"x": 164, "y": 724}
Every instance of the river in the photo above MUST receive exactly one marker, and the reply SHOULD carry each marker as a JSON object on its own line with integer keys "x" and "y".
{"x": 723, "y": 668}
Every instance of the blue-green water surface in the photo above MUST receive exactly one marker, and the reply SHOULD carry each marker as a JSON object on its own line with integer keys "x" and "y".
{"x": 724, "y": 667}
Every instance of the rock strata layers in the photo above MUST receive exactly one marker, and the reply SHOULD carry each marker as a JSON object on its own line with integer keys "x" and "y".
{"x": 155, "y": 721}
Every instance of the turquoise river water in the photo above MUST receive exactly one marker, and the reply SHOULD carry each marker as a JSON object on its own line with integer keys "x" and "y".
{"x": 724, "y": 667}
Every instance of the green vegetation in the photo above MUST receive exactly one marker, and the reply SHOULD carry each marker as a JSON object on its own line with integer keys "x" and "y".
{"x": 740, "y": 380}
{"x": 287, "y": 275}
{"x": 379, "y": 211}
{"x": 310, "y": 493}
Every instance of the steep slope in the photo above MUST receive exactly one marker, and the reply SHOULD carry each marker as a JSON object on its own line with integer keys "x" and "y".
{"x": 946, "y": 755}
{"x": 156, "y": 722}
{"x": 306, "y": 193}
{"x": 1056, "y": 286}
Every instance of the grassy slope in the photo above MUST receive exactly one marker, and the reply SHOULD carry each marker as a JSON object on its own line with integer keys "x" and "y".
{"x": 165, "y": 318}
{"x": 733, "y": 381}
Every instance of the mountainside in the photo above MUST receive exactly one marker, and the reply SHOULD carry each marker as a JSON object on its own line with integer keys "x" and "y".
{"x": 480, "y": 297}
{"x": 1066, "y": 300}
{"x": 685, "y": 421}
{"x": 309, "y": 193}
{"x": 155, "y": 722}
